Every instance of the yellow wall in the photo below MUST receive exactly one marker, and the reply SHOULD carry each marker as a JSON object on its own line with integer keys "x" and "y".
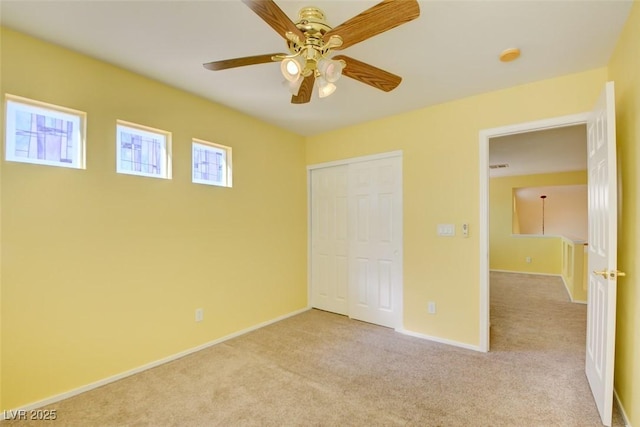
{"x": 92, "y": 320}
{"x": 545, "y": 254}
{"x": 103, "y": 272}
{"x": 624, "y": 70}
{"x": 508, "y": 252}
{"x": 441, "y": 145}
{"x": 574, "y": 262}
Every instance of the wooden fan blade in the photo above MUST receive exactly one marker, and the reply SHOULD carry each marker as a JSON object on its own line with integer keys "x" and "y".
{"x": 274, "y": 16}
{"x": 239, "y": 62}
{"x": 382, "y": 17}
{"x": 306, "y": 89}
{"x": 368, "y": 74}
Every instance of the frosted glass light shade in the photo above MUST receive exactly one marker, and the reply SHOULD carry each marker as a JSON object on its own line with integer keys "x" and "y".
{"x": 291, "y": 69}
{"x": 325, "y": 88}
{"x": 330, "y": 69}
{"x": 294, "y": 86}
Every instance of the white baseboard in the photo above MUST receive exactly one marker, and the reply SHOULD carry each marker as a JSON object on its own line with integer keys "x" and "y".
{"x": 625, "y": 418}
{"x": 439, "y": 340}
{"x": 105, "y": 381}
{"x": 526, "y": 272}
{"x": 576, "y": 301}
{"x": 566, "y": 287}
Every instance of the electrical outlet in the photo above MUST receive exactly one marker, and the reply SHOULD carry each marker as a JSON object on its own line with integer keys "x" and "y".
{"x": 528, "y": 259}
{"x": 199, "y": 315}
{"x": 431, "y": 307}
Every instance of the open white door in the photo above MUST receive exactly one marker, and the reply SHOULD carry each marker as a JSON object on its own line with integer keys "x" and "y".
{"x": 603, "y": 273}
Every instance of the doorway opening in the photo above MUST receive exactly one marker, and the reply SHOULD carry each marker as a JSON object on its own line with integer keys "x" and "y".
{"x": 602, "y": 216}
{"x": 538, "y": 202}
{"x": 485, "y": 138}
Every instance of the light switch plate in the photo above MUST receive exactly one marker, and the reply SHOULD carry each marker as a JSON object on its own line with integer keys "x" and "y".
{"x": 446, "y": 230}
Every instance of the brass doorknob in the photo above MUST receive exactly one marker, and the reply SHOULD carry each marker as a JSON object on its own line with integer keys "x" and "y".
{"x": 603, "y": 273}
{"x": 610, "y": 274}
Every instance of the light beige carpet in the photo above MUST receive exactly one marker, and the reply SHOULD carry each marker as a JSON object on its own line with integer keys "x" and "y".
{"x": 322, "y": 369}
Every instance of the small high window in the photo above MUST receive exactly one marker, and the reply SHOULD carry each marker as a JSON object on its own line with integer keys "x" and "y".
{"x": 143, "y": 151}
{"x": 211, "y": 163}
{"x": 44, "y": 134}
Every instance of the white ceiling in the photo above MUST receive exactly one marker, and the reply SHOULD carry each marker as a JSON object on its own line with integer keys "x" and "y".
{"x": 449, "y": 52}
{"x": 554, "y": 150}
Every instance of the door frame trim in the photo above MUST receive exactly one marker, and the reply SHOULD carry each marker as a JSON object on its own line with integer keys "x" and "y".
{"x": 347, "y": 161}
{"x": 484, "y": 136}
{"x": 386, "y": 155}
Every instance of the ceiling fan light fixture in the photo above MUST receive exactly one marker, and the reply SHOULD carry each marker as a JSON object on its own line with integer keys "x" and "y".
{"x": 330, "y": 69}
{"x": 293, "y": 86}
{"x": 325, "y": 88}
{"x": 291, "y": 69}
{"x": 311, "y": 41}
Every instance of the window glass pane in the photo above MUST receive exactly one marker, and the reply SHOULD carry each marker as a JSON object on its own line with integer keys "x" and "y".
{"x": 142, "y": 152}
{"x": 209, "y": 164}
{"x": 38, "y": 135}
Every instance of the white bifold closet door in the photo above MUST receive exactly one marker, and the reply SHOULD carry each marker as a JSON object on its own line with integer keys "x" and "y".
{"x": 329, "y": 239}
{"x": 356, "y": 240}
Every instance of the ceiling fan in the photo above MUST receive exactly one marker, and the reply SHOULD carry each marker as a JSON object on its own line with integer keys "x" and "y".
{"x": 311, "y": 41}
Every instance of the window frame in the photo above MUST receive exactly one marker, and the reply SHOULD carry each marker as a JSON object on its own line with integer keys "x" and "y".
{"x": 13, "y": 104}
{"x": 142, "y": 130}
{"x": 227, "y": 169}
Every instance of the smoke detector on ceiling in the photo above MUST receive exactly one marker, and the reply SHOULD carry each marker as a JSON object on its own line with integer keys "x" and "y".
{"x": 510, "y": 54}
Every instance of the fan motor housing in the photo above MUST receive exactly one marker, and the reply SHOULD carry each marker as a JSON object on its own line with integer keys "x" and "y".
{"x": 311, "y": 21}
{"x": 313, "y": 25}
